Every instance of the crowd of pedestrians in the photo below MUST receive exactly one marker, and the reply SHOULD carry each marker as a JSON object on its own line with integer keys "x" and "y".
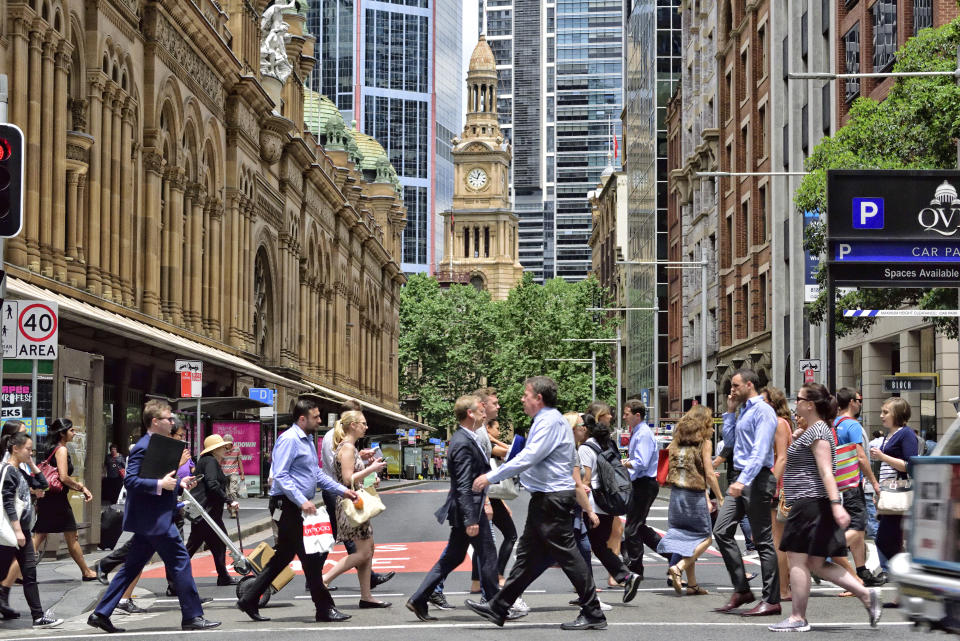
{"x": 801, "y": 483}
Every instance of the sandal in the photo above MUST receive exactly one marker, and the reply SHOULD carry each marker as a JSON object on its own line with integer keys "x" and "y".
{"x": 676, "y": 574}
{"x": 696, "y": 590}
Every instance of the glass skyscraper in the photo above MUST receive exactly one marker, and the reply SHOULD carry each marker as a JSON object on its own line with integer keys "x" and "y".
{"x": 386, "y": 81}
{"x": 559, "y": 68}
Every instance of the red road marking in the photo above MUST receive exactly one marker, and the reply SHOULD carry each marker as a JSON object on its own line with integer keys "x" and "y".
{"x": 416, "y": 556}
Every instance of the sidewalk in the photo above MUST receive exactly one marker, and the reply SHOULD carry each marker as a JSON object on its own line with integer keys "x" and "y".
{"x": 62, "y": 590}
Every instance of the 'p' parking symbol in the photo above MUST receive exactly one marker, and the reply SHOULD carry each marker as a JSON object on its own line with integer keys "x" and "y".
{"x": 868, "y": 213}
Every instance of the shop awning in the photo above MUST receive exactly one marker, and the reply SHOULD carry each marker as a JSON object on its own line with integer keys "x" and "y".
{"x": 76, "y": 310}
{"x": 214, "y": 406}
{"x": 339, "y": 397}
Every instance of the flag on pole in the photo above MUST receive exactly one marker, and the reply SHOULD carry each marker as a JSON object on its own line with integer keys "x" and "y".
{"x": 616, "y": 147}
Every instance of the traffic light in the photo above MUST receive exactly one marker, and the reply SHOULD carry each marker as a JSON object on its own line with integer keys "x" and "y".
{"x": 11, "y": 180}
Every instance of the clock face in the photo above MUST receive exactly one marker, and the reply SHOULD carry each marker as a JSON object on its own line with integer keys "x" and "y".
{"x": 477, "y": 178}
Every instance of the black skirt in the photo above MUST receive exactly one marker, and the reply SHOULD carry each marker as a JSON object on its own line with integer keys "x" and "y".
{"x": 54, "y": 514}
{"x": 810, "y": 529}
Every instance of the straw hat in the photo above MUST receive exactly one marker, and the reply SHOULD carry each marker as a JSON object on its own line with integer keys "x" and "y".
{"x": 212, "y": 442}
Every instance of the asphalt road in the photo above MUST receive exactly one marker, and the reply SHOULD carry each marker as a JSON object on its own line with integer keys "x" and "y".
{"x": 408, "y": 541}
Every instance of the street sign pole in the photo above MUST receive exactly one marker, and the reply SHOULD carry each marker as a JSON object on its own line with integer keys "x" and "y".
{"x": 274, "y": 417}
{"x": 33, "y": 400}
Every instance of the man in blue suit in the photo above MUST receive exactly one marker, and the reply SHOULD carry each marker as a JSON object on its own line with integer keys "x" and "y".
{"x": 463, "y": 509}
{"x": 150, "y": 508}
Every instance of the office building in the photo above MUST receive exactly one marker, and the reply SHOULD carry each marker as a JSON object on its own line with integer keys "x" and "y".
{"x": 559, "y": 67}
{"x": 379, "y": 62}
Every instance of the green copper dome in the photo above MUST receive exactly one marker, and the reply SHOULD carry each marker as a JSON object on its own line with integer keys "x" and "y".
{"x": 318, "y": 110}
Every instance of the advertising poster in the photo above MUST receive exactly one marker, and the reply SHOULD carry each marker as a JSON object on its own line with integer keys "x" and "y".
{"x": 937, "y": 512}
{"x": 246, "y": 436}
{"x": 391, "y": 452}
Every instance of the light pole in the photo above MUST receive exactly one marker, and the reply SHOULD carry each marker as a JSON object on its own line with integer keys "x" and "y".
{"x": 592, "y": 360}
{"x": 604, "y": 340}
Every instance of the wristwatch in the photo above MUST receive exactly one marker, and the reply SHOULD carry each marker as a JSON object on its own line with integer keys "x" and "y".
{"x": 836, "y": 501}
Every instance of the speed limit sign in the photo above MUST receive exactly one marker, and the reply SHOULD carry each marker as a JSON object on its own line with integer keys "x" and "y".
{"x": 30, "y": 329}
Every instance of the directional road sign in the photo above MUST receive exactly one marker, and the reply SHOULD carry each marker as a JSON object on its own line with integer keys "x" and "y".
{"x": 810, "y": 363}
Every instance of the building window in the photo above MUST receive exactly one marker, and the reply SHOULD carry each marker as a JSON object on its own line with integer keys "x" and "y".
{"x": 744, "y": 311}
{"x": 743, "y": 233}
{"x": 744, "y": 148}
{"x": 762, "y": 228}
{"x": 728, "y": 104}
{"x": 745, "y": 71}
{"x": 762, "y": 132}
{"x": 825, "y": 103}
{"x": 803, "y": 36}
{"x": 805, "y": 127}
{"x": 762, "y": 45}
{"x": 262, "y": 304}
{"x": 762, "y": 319}
{"x": 884, "y": 34}
{"x": 851, "y": 46}
{"x": 922, "y": 15}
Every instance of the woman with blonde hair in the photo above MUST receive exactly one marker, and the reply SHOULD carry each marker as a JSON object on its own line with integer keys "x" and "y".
{"x": 782, "y": 439}
{"x": 350, "y": 471}
{"x": 691, "y": 472}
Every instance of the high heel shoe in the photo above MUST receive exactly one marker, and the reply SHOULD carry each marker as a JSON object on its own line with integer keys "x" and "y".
{"x": 364, "y": 605}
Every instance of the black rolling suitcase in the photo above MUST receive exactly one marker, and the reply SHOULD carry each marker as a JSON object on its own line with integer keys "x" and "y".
{"x": 111, "y": 526}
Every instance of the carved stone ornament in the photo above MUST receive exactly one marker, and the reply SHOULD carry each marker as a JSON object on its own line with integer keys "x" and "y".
{"x": 273, "y": 134}
{"x": 181, "y": 51}
{"x": 273, "y": 49}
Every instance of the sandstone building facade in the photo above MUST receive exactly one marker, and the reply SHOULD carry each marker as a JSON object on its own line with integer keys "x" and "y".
{"x": 176, "y": 206}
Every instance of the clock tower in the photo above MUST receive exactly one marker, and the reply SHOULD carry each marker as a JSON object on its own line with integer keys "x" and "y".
{"x": 482, "y": 245}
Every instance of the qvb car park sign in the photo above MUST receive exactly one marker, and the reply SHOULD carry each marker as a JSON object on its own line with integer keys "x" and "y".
{"x": 890, "y": 229}
{"x": 894, "y": 228}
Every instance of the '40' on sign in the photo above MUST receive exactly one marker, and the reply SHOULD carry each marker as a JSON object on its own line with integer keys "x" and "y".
{"x": 30, "y": 329}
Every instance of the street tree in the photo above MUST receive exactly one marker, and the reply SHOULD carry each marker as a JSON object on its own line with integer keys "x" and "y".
{"x": 916, "y": 127}
{"x": 455, "y": 340}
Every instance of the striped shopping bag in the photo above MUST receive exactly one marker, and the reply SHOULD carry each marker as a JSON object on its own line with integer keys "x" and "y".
{"x": 848, "y": 464}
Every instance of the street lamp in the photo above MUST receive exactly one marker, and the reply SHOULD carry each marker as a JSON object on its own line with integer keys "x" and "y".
{"x": 592, "y": 359}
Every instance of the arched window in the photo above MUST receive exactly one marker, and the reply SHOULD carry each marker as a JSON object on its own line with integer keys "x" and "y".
{"x": 477, "y": 282}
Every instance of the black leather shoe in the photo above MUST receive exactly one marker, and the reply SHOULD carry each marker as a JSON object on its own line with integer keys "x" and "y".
{"x": 226, "y": 580}
{"x": 369, "y": 605}
{"x": 171, "y": 591}
{"x": 420, "y": 609}
{"x": 484, "y": 610}
{"x": 583, "y": 623}
{"x": 379, "y": 579}
{"x": 102, "y": 574}
{"x": 332, "y": 615}
{"x": 251, "y": 611}
{"x": 102, "y": 622}
{"x": 199, "y": 623}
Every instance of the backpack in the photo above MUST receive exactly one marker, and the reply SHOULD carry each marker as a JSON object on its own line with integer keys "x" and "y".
{"x": 614, "y": 488}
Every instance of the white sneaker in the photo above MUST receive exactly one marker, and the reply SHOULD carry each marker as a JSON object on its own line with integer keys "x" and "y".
{"x": 605, "y": 607}
{"x": 521, "y": 606}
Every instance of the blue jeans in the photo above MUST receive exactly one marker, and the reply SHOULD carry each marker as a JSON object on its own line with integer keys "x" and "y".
{"x": 872, "y": 522}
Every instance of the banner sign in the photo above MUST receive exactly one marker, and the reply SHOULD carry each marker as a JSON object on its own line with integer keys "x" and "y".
{"x": 246, "y": 436}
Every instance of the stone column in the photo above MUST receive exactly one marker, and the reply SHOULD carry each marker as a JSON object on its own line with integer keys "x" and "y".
{"x": 33, "y": 144}
{"x": 303, "y": 339}
{"x": 190, "y": 197}
{"x": 153, "y": 167}
{"x": 231, "y": 264}
{"x": 165, "y": 252}
{"x": 117, "y": 158}
{"x": 92, "y": 232}
{"x": 106, "y": 189}
{"x": 73, "y": 181}
{"x": 205, "y": 292}
{"x": 60, "y": 91}
{"x": 216, "y": 258}
{"x": 47, "y": 152}
{"x": 128, "y": 211}
{"x": 247, "y": 251}
{"x": 176, "y": 247}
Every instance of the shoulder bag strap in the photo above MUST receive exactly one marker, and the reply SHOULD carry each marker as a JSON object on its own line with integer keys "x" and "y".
{"x": 52, "y": 453}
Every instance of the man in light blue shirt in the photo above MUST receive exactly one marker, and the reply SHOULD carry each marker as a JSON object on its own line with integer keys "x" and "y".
{"x": 752, "y": 493}
{"x": 642, "y": 458}
{"x": 296, "y": 474}
{"x": 545, "y": 467}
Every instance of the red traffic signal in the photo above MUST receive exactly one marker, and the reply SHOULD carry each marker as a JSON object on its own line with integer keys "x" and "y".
{"x": 11, "y": 180}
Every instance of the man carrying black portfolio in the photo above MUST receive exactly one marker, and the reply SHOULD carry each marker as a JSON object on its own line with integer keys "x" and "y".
{"x": 464, "y": 509}
{"x": 150, "y": 506}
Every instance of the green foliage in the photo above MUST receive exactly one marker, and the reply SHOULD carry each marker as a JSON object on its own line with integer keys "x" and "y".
{"x": 916, "y": 127}
{"x": 455, "y": 340}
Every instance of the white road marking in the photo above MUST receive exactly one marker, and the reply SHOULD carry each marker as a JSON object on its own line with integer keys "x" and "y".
{"x": 322, "y": 628}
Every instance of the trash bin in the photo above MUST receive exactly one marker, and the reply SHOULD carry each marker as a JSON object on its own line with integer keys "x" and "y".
{"x": 410, "y": 472}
